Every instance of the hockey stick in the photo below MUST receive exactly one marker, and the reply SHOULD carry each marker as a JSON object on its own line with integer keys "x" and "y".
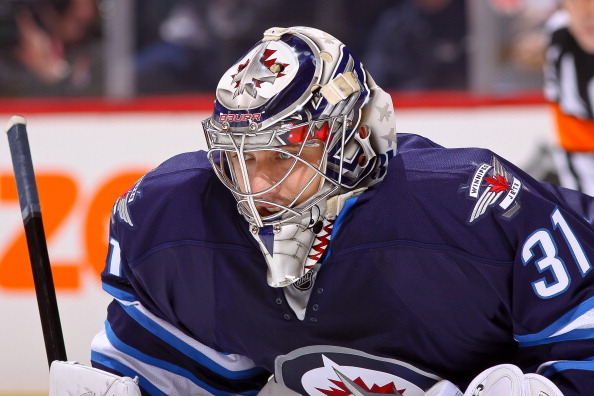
{"x": 36, "y": 242}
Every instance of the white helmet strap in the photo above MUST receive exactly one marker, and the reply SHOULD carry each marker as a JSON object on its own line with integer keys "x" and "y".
{"x": 340, "y": 87}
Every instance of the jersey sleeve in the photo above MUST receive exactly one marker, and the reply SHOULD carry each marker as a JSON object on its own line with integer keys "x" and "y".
{"x": 553, "y": 285}
{"x": 581, "y": 203}
{"x": 136, "y": 342}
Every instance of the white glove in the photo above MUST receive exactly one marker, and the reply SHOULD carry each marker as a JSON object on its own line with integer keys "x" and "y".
{"x": 501, "y": 380}
{"x": 74, "y": 379}
{"x": 444, "y": 388}
{"x": 509, "y": 380}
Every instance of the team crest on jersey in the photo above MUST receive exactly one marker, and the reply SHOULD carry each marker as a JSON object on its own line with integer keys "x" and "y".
{"x": 493, "y": 186}
{"x": 121, "y": 205}
{"x": 325, "y": 370}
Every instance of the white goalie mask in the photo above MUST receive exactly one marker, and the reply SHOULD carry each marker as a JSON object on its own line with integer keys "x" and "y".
{"x": 299, "y": 96}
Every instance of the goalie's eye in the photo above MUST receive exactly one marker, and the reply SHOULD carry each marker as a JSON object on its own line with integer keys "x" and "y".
{"x": 246, "y": 156}
{"x": 284, "y": 155}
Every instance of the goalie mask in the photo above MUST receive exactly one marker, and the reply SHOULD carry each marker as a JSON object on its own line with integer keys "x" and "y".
{"x": 300, "y": 100}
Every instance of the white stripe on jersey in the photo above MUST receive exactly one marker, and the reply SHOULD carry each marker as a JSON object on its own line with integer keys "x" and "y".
{"x": 166, "y": 381}
{"x": 231, "y": 362}
{"x": 584, "y": 321}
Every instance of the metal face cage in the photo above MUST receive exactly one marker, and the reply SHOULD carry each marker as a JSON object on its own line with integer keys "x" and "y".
{"x": 230, "y": 152}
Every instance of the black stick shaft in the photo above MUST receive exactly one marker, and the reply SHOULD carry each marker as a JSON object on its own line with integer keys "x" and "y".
{"x": 36, "y": 241}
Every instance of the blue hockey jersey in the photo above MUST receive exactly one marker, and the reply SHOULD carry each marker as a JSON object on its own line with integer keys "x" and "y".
{"x": 455, "y": 262}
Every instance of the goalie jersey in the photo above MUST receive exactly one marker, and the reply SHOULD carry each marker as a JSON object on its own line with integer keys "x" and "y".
{"x": 457, "y": 261}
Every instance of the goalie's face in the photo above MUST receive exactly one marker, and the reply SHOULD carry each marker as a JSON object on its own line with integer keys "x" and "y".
{"x": 277, "y": 178}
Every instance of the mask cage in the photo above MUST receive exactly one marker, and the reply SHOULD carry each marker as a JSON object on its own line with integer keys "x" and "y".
{"x": 225, "y": 144}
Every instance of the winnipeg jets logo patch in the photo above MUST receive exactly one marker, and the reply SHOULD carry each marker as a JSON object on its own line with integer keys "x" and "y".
{"x": 492, "y": 186}
{"x": 120, "y": 207}
{"x": 326, "y": 370}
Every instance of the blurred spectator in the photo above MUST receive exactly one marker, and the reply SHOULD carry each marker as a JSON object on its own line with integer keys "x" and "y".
{"x": 528, "y": 39}
{"x": 569, "y": 78}
{"x": 182, "y": 44}
{"x": 522, "y": 41}
{"x": 420, "y": 44}
{"x": 51, "y": 48}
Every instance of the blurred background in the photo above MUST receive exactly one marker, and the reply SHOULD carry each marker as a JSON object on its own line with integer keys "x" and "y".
{"x": 111, "y": 88}
{"x": 125, "y": 48}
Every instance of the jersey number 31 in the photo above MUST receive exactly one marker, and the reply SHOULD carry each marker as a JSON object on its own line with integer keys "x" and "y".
{"x": 550, "y": 260}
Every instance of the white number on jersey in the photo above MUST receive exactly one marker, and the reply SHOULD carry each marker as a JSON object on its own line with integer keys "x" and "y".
{"x": 550, "y": 260}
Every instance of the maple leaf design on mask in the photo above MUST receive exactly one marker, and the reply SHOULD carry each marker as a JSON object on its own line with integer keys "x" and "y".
{"x": 250, "y": 76}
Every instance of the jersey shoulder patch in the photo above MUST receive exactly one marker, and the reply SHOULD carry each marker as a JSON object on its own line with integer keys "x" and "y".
{"x": 491, "y": 187}
{"x": 120, "y": 210}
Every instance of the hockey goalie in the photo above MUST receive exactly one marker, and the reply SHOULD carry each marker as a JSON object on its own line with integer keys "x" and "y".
{"x": 314, "y": 244}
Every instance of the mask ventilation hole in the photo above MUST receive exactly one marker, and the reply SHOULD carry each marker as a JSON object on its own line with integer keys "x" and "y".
{"x": 363, "y": 131}
{"x": 317, "y": 227}
{"x": 362, "y": 160}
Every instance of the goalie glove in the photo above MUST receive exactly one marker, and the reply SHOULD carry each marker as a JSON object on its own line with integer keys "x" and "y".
{"x": 507, "y": 379}
{"x": 75, "y": 379}
{"x": 501, "y": 380}
{"x": 444, "y": 388}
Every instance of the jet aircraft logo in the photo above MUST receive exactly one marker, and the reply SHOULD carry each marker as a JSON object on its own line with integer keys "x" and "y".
{"x": 493, "y": 186}
{"x": 250, "y": 76}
